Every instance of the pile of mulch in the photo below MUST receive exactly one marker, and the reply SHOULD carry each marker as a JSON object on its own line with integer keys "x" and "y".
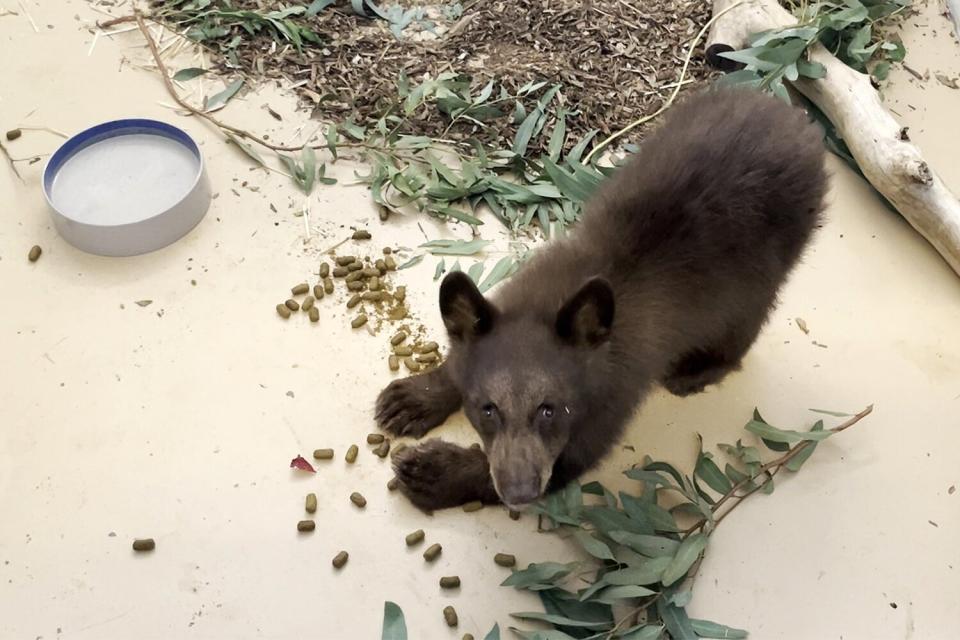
{"x": 616, "y": 59}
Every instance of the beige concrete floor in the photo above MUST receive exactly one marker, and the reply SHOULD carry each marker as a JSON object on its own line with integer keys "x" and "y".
{"x": 177, "y": 420}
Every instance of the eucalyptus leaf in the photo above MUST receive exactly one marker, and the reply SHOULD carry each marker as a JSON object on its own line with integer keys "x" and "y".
{"x": 708, "y": 470}
{"x": 800, "y": 457}
{"x": 676, "y": 621}
{"x": 394, "y": 625}
{"x": 786, "y": 436}
{"x": 246, "y": 148}
{"x": 593, "y": 546}
{"x": 707, "y": 629}
{"x": 475, "y": 270}
{"x": 649, "y": 572}
{"x": 538, "y": 574}
{"x": 494, "y": 634}
{"x": 614, "y": 595}
{"x": 688, "y": 552}
{"x": 557, "y": 620}
{"x": 415, "y": 260}
{"x": 648, "y": 545}
{"x": 646, "y": 632}
{"x": 219, "y": 100}
{"x": 188, "y": 74}
{"x": 456, "y": 247}
{"x": 546, "y": 634}
{"x": 441, "y": 269}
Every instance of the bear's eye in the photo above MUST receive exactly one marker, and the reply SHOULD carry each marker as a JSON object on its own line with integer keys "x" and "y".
{"x": 488, "y": 410}
{"x": 546, "y": 411}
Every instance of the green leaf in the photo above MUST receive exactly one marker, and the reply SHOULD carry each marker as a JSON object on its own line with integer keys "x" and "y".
{"x": 441, "y": 269}
{"x": 219, "y": 100}
{"x": 557, "y": 620}
{"x": 813, "y": 70}
{"x": 797, "y": 461}
{"x": 577, "y": 151}
{"x": 593, "y": 546}
{"x": 538, "y": 574}
{"x": 650, "y": 572}
{"x": 607, "y": 520}
{"x": 567, "y": 184}
{"x": 685, "y": 556}
{"x": 764, "y": 37}
{"x": 525, "y": 131}
{"x": 494, "y": 633}
{"x": 708, "y": 470}
{"x": 650, "y": 512}
{"x": 786, "y": 436}
{"x": 555, "y": 145}
{"x": 646, "y": 632}
{"x": 676, "y": 621}
{"x": 855, "y": 13}
{"x": 736, "y": 476}
{"x": 455, "y": 247}
{"x": 547, "y": 634}
{"x": 663, "y": 466}
{"x": 648, "y": 545}
{"x": 247, "y": 149}
{"x": 317, "y": 6}
{"x": 309, "y": 168}
{"x": 475, "y": 270}
{"x": 394, "y": 626}
{"x": 412, "y": 261}
{"x": 613, "y": 595}
{"x": 188, "y": 74}
{"x": 331, "y": 135}
{"x": 504, "y": 267}
{"x": 707, "y": 629}
{"x": 652, "y": 477}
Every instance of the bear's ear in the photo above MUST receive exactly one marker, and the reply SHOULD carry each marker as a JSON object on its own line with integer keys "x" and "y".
{"x": 586, "y": 318}
{"x": 466, "y": 313}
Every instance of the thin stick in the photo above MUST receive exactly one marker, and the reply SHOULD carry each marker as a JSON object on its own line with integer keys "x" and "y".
{"x": 666, "y": 105}
{"x": 29, "y": 17}
{"x": 13, "y": 167}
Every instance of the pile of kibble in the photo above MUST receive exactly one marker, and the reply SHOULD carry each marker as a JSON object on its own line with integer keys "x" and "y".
{"x": 431, "y": 553}
{"x": 371, "y": 294}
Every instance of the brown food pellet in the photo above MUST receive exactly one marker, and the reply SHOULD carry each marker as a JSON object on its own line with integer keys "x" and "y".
{"x": 354, "y": 276}
{"x": 387, "y": 251}
{"x": 374, "y": 438}
{"x": 392, "y": 484}
{"x": 476, "y": 505}
{"x": 13, "y": 134}
{"x": 505, "y": 559}
{"x": 314, "y": 314}
{"x": 369, "y": 272}
{"x": 283, "y": 311}
{"x": 411, "y": 365}
{"x": 382, "y": 450}
{"x": 340, "y": 272}
{"x": 324, "y": 269}
{"x": 343, "y": 261}
{"x": 403, "y": 351}
{"x": 327, "y": 285}
{"x": 373, "y": 296}
{"x": 374, "y": 283}
{"x": 144, "y": 544}
{"x": 384, "y": 214}
{"x": 361, "y": 234}
{"x": 475, "y": 446}
{"x": 398, "y": 337}
{"x": 311, "y": 503}
{"x": 390, "y": 263}
{"x": 353, "y": 301}
{"x": 359, "y": 321}
{"x": 381, "y": 266}
{"x": 415, "y": 538}
{"x": 400, "y": 294}
{"x": 323, "y": 454}
{"x": 352, "y": 452}
{"x": 358, "y": 500}
{"x": 292, "y": 304}
{"x": 300, "y": 289}
{"x": 514, "y": 515}
{"x": 427, "y": 358}
{"x": 306, "y": 525}
{"x": 34, "y": 254}
{"x": 307, "y": 303}
{"x": 450, "y": 582}
{"x": 340, "y": 559}
{"x": 450, "y": 615}
{"x": 467, "y": 636}
{"x": 355, "y": 266}
{"x": 393, "y": 362}
{"x": 427, "y": 347}
{"x": 355, "y": 286}
{"x": 318, "y": 291}
{"x": 432, "y": 552}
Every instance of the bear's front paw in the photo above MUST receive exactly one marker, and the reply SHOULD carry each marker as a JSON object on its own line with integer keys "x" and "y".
{"x": 438, "y": 475}
{"x": 412, "y": 406}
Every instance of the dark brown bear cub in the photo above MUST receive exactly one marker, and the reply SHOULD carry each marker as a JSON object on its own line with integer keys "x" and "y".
{"x": 668, "y": 279}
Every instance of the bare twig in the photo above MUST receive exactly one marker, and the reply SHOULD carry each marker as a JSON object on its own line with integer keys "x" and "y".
{"x": 13, "y": 167}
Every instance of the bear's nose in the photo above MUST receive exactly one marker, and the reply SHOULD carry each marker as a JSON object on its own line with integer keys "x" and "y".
{"x": 521, "y": 493}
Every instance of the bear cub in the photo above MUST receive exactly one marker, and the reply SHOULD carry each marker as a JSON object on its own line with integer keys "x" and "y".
{"x": 667, "y": 280}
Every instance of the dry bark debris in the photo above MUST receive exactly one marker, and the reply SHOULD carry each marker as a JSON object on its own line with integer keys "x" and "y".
{"x": 616, "y": 59}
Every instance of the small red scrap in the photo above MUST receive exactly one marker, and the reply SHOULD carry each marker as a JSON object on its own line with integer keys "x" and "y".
{"x": 300, "y": 463}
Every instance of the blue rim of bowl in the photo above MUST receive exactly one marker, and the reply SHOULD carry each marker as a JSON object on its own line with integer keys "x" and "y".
{"x": 113, "y": 129}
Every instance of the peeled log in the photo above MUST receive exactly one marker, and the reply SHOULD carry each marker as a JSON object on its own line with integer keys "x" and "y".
{"x": 879, "y": 144}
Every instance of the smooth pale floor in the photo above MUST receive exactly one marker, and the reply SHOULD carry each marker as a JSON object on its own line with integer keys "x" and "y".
{"x": 120, "y": 419}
